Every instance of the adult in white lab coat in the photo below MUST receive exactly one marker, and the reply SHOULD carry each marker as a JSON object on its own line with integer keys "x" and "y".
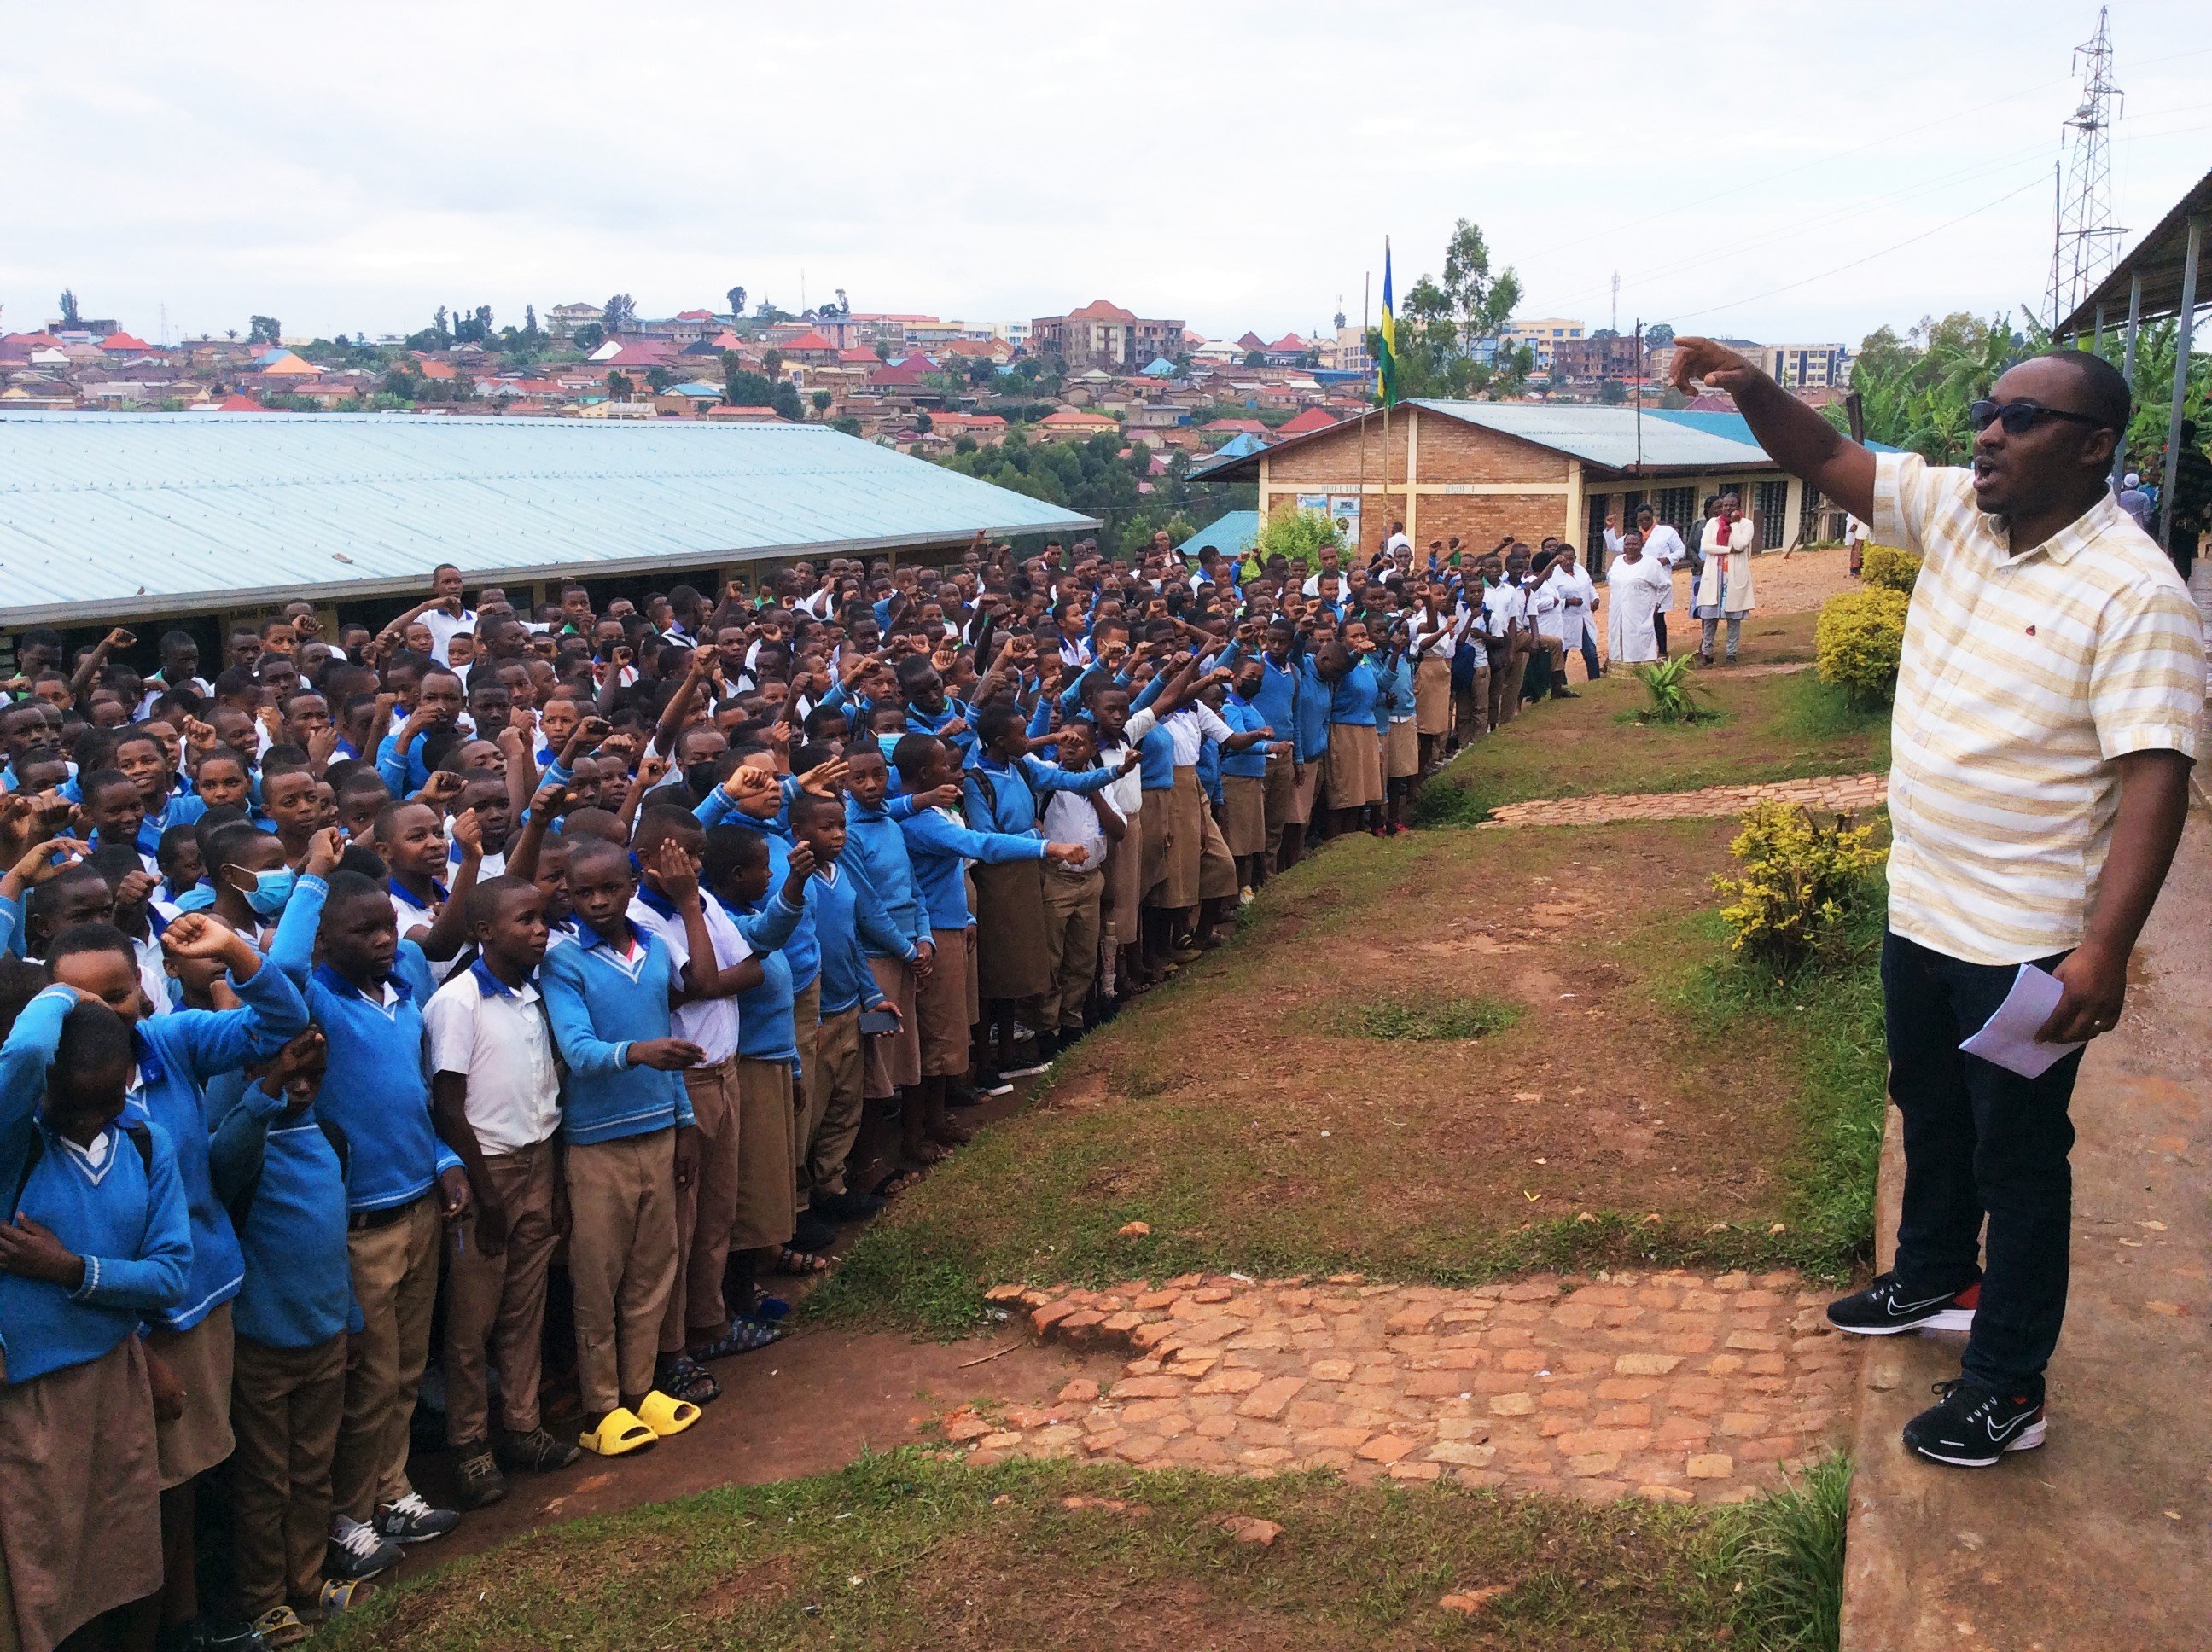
{"x": 1634, "y": 583}
{"x": 1724, "y": 583}
{"x": 1577, "y": 594}
{"x": 1664, "y": 550}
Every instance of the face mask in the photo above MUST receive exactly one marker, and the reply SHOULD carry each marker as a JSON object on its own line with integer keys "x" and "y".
{"x": 887, "y": 743}
{"x": 270, "y": 890}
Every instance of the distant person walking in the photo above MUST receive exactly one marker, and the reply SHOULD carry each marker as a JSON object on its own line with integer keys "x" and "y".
{"x": 2047, "y": 708}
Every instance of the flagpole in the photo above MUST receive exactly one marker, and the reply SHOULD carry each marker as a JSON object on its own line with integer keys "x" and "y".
{"x": 1388, "y": 398}
{"x": 1366, "y": 283}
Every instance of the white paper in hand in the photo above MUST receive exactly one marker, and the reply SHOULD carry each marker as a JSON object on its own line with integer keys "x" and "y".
{"x": 2007, "y": 1038}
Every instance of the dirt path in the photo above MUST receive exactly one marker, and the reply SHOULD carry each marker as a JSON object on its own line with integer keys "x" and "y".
{"x": 1845, "y": 793}
{"x": 1674, "y": 1385}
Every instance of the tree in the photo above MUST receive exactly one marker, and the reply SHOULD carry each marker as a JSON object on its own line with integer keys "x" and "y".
{"x": 530, "y": 332}
{"x": 1612, "y": 392}
{"x": 621, "y": 311}
{"x": 659, "y": 378}
{"x": 741, "y": 387}
{"x": 1658, "y": 336}
{"x": 882, "y": 351}
{"x": 924, "y": 423}
{"x": 589, "y": 337}
{"x": 264, "y": 330}
{"x": 784, "y": 398}
{"x": 821, "y": 399}
{"x": 619, "y": 386}
{"x": 736, "y": 297}
{"x": 1483, "y": 303}
{"x": 70, "y": 320}
{"x": 849, "y": 425}
{"x": 1440, "y": 322}
{"x": 1916, "y": 390}
{"x": 772, "y": 363}
{"x": 441, "y": 329}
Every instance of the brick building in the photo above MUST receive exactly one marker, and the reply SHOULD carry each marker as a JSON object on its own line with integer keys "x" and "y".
{"x": 1485, "y": 469}
{"x": 1105, "y": 336}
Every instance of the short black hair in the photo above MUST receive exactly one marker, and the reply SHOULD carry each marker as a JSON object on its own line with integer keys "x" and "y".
{"x": 483, "y": 900}
{"x": 2104, "y": 394}
{"x": 89, "y": 938}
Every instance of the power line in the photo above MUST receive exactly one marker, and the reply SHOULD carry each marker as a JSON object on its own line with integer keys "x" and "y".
{"x": 1770, "y": 292}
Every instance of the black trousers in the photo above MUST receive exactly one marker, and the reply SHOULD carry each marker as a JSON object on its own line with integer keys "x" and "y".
{"x": 1979, "y": 1141}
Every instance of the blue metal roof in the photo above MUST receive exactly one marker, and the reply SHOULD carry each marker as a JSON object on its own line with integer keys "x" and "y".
{"x": 132, "y": 515}
{"x": 1231, "y": 534}
{"x": 1607, "y": 435}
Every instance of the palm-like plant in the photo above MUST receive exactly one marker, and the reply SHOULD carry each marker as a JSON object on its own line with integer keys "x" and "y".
{"x": 1674, "y": 690}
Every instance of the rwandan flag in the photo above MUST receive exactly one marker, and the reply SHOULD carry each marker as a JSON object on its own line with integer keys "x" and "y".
{"x": 1388, "y": 363}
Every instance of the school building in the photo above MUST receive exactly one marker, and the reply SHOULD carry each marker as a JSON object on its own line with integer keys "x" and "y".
{"x": 199, "y": 519}
{"x": 1487, "y": 469}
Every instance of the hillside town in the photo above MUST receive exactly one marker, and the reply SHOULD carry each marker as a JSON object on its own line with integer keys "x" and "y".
{"x": 919, "y": 383}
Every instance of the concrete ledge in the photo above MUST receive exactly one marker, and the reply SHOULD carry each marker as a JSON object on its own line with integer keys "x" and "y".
{"x": 2100, "y": 1539}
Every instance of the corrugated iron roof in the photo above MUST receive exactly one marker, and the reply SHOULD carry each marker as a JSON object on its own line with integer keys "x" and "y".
{"x": 106, "y": 515}
{"x": 1607, "y": 435}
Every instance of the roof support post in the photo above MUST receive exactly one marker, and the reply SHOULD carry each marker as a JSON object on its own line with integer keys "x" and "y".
{"x": 2184, "y": 327}
{"x": 2128, "y": 367}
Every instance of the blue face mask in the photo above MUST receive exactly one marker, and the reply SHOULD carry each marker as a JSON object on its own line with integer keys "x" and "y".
{"x": 270, "y": 890}
{"x": 888, "y": 744}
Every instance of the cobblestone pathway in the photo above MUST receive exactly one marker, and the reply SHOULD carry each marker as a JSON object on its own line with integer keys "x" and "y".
{"x": 1845, "y": 793}
{"x": 1673, "y": 1385}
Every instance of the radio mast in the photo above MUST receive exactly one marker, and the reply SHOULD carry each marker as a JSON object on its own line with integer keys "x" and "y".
{"x": 2086, "y": 242}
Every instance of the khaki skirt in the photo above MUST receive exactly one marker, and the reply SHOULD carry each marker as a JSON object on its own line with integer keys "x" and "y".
{"x": 1216, "y": 873}
{"x": 1178, "y": 886}
{"x": 1304, "y": 792}
{"x": 1281, "y": 796}
{"x": 80, "y": 1495}
{"x": 1125, "y": 884}
{"x": 1432, "y": 704}
{"x": 1244, "y": 814}
{"x": 1011, "y": 959}
{"x": 202, "y": 1358}
{"x": 894, "y": 1059}
{"x": 948, "y": 1004}
{"x": 767, "y": 1202}
{"x": 1354, "y": 776}
{"x": 1402, "y": 757}
{"x": 1156, "y": 822}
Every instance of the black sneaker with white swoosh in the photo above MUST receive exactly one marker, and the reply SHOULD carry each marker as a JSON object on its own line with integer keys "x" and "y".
{"x": 1972, "y": 1426}
{"x": 1885, "y": 1308}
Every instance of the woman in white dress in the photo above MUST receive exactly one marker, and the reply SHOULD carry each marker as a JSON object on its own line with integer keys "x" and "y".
{"x": 1635, "y": 582}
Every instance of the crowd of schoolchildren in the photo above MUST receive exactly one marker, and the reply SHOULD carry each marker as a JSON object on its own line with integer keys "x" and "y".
{"x": 435, "y": 1012}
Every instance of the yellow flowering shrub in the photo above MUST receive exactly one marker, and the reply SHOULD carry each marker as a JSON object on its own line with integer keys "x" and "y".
{"x": 1888, "y": 569}
{"x": 1801, "y": 881}
{"x": 1856, "y": 642}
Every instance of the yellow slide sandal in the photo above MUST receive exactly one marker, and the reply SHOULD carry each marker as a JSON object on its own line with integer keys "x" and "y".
{"x": 620, "y": 1431}
{"x": 665, "y": 1416}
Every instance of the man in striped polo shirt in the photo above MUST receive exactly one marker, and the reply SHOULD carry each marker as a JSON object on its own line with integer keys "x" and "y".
{"x": 2048, "y": 703}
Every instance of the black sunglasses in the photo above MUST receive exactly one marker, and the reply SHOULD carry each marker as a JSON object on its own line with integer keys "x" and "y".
{"x": 2019, "y": 417}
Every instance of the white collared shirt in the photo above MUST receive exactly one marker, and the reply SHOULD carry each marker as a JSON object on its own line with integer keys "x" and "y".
{"x": 500, "y": 1041}
{"x": 709, "y": 1022}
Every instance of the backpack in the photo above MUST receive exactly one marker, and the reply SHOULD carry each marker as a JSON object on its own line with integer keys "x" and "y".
{"x": 139, "y": 1138}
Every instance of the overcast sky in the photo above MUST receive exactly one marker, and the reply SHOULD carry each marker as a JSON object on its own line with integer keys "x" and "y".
{"x": 1234, "y": 164}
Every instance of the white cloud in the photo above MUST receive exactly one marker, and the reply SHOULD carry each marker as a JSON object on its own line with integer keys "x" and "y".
{"x": 1237, "y": 164}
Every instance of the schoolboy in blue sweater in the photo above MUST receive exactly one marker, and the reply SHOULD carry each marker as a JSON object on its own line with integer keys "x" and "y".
{"x": 280, "y": 1171}
{"x": 96, "y": 1237}
{"x": 628, "y": 1126}
{"x": 403, "y": 1187}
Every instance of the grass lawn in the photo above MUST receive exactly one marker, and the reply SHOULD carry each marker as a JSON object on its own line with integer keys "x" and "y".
{"x": 903, "y": 1552}
{"x": 1439, "y": 1058}
{"x": 1769, "y": 728}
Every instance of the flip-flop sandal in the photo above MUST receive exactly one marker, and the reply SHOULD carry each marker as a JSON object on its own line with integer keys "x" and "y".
{"x": 745, "y": 1336}
{"x": 929, "y": 1153}
{"x": 801, "y": 1263}
{"x": 687, "y": 1380}
{"x": 620, "y": 1432}
{"x": 949, "y": 1134}
{"x": 896, "y": 1183}
{"x": 664, "y": 1416}
{"x": 338, "y": 1595}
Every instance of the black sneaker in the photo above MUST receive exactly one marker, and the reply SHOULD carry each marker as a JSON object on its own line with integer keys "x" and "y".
{"x": 1884, "y": 1308}
{"x": 848, "y": 1207}
{"x": 1972, "y": 1426}
{"x": 411, "y": 1520}
{"x": 482, "y": 1483}
{"x": 988, "y": 1083}
{"x": 535, "y": 1453}
{"x": 814, "y": 1232}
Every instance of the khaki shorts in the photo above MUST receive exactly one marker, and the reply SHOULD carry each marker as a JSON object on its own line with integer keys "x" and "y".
{"x": 894, "y": 1059}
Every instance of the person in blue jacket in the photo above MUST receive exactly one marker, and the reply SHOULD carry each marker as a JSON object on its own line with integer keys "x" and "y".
{"x": 940, "y": 846}
{"x": 95, "y": 1238}
{"x": 180, "y": 1053}
{"x": 280, "y": 1171}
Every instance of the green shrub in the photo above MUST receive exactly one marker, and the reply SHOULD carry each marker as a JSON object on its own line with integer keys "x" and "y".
{"x": 1858, "y": 641}
{"x": 1674, "y": 690}
{"x": 1887, "y": 568}
{"x": 1298, "y": 536}
{"x": 1429, "y": 1019}
{"x": 1790, "y": 1547}
{"x": 1801, "y": 883}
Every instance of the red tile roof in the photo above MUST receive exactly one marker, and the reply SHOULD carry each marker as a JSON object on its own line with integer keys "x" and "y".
{"x": 239, "y": 404}
{"x": 694, "y": 315}
{"x": 1234, "y": 426}
{"x": 123, "y": 341}
{"x": 1312, "y": 419}
{"x": 1289, "y": 341}
{"x": 809, "y": 340}
{"x": 1100, "y": 310}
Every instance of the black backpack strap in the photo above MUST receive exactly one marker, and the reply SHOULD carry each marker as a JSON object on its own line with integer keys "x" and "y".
{"x": 140, "y": 1138}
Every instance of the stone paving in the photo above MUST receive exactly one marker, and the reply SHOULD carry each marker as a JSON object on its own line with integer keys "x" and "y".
{"x": 1678, "y": 1386}
{"x": 1844, "y": 793}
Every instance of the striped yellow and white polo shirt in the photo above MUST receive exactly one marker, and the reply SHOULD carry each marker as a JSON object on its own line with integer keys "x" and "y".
{"x": 2023, "y": 677}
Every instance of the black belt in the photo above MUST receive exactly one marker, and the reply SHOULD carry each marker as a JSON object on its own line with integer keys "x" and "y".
{"x": 370, "y": 1220}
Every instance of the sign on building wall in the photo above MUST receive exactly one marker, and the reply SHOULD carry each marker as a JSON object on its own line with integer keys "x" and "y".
{"x": 1344, "y": 508}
